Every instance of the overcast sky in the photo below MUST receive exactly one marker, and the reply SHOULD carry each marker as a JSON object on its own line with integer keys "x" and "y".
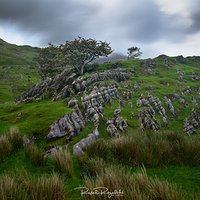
{"x": 169, "y": 27}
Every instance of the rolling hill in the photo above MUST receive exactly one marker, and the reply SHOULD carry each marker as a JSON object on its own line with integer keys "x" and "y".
{"x": 134, "y": 159}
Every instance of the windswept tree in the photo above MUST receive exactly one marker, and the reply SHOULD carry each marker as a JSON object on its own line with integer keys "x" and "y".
{"x": 134, "y": 52}
{"x": 80, "y": 52}
{"x": 50, "y": 60}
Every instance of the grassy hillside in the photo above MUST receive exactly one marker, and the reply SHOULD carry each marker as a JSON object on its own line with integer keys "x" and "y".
{"x": 18, "y": 69}
{"x": 34, "y": 119}
{"x": 11, "y": 54}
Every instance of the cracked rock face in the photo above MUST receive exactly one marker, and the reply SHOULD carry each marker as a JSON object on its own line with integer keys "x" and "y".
{"x": 68, "y": 84}
{"x": 79, "y": 148}
{"x": 169, "y": 105}
{"x": 73, "y": 123}
{"x": 117, "y": 124}
{"x": 51, "y": 86}
{"x": 192, "y": 123}
{"x": 148, "y": 120}
{"x": 195, "y": 76}
{"x": 152, "y": 106}
{"x": 94, "y": 102}
{"x": 70, "y": 125}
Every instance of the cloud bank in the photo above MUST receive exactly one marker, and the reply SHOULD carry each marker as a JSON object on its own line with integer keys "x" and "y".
{"x": 156, "y": 26}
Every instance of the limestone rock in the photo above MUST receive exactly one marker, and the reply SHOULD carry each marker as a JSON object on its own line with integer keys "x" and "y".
{"x": 192, "y": 123}
{"x": 69, "y": 125}
{"x": 69, "y": 84}
{"x": 80, "y": 147}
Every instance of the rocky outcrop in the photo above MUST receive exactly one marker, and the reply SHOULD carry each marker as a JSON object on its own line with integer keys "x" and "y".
{"x": 73, "y": 123}
{"x": 153, "y": 105}
{"x": 149, "y": 63}
{"x": 195, "y": 76}
{"x": 94, "y": 102}
{"x": 70, "y": 125}
{"x": 81, "y": 84}
{"x": 49, "y": 87}
{"x": 68, "y": 84}
{"x": 192, "y": 123}
{"x": 117, "y": 124}
{"x": 148, "y": 120}
{"x": 80, "y": 147}
{"x": 169, "y": 105}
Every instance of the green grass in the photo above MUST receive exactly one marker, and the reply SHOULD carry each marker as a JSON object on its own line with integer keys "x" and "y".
{"x": 18, "y": 72}
{"x": 16, "y": 55}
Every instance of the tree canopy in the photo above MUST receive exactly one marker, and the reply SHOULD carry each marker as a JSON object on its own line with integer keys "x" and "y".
{"x": 80, "y": 52}
{"x": 76, "y": 53}
{"x": 134, "y": 52}
{"x": 50, "y": 61}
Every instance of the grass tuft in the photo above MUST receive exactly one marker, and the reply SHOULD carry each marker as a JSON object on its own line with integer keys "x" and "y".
{"x": 15, "y": 138}
{"x": 51, "y": 188}
{"x": 63, "y": 162}
{"x": 5, "y": 147}
{"x": 35, "y": 155}
{"x": 10, "y": 189}
{"x": 152, "y": 150}
{"x": 133, "y": 186}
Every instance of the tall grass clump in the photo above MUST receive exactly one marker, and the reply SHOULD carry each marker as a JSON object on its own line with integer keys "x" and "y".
{"x": 43, "y": 188}
{"x": 22, "y": 186}
{"x": 153, "y": 150}
{"x": 15, "y": 138}
{"x": 35, "y": 155}
{"x": 94, "y": 166}
{"x": 63, "y": 162}
{"x": 100, "y": 149}
{"x": 136, "y": 186}
{"x": 10, "y": 189}
{"x": 125, "y": 148}
{"x": 5, "y": 147}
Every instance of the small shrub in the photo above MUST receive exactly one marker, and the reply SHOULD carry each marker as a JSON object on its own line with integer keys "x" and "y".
{"x": 63, "y": 161}
{"x": 5, "y": 147}
{"x": 35, "y": 155}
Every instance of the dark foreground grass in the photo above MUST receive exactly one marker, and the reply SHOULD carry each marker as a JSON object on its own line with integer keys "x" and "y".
{"x": 63, "y": 162}
{"x": 117, "y": 183}
{"x": 150, "y": 149}
{"x": 22, "y": 187}
{"x": 9, "y": 143}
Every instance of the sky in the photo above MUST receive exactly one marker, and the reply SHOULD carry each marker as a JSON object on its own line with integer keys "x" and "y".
{"x": 170, "y": 27}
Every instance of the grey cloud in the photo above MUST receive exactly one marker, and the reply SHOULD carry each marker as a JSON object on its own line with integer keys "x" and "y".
{"x": 54, "y": 21}
{"x": 128, "y": 22}
{"x": 146, "y": 23}
{"x": 195, "y": 21}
